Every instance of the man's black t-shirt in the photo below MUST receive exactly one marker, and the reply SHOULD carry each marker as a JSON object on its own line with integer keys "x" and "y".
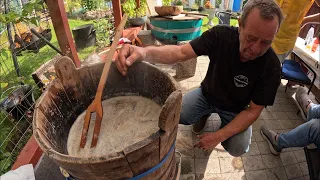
{"x": 231, "y": 84}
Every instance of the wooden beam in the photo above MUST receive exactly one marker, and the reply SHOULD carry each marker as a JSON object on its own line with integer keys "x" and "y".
{"x": 62, "y": 29}
{"x": 117, "y": 12}
{"x": 138, "y": 3}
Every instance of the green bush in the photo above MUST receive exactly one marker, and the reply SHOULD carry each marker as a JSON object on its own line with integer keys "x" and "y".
{"x": 130, "y": 8}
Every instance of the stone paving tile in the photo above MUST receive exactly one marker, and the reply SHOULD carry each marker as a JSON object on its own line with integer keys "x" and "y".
{"x": 277, "y": 173}
{"x": 208, "y": 176}
{"x": 230, "y": 165}
{"x": 257, "y": 136}
{"x": 185, "y": 127}
{"x": 263, "y": 147}
{"x": 271, "y": 161}
{"x": 304, "y": 168}
{"x": 184, "y": 143}
{"x": 207, "y": 165}
{"x": 281, "y": 115}
{"x": 271, "y": 124}
{"x": 302, "y": 178}
{"x": 187, "y": 165}
{"x": 257, "y": 124}
{"x": 293, "y": 171}
{"x": 293, "y": 115}
{"x": 194, "y": 85}
{"x": 288, "y": 158}
{"x": 224, "y": 153}
{"x": 282, "y": 94}
{"x": 199, "y": 153}
{"x": 300, "y": 155}
{"x": 297, "y": 123}
{"x": 275, "y": 108}
{"x": 290, "y": 108}
{"x": 254, "y": 175}
{"x": 233, "y": 176}
{"x": 285, "y": 124}
{"x": 187, "y": 177}
{"x": 252, "y": 163}
{"x": 267, "y": 115}
{"x": 253, "y": 150}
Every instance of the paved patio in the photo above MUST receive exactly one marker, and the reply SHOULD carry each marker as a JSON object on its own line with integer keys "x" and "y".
{"x": 258, "y": 163}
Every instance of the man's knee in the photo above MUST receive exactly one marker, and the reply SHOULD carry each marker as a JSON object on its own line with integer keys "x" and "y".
{"x": 237, "y": 151}
{"x": 239, "y": 143}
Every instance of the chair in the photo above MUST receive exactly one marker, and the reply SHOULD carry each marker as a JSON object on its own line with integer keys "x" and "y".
{"x": 292, "y": 71}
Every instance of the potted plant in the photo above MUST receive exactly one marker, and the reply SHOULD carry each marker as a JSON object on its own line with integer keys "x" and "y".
{"x": 136, "y": 15}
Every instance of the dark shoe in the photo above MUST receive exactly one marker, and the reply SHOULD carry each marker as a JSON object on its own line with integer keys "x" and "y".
{"x": 198, "y": 127}
{"x": 270, "y": 137}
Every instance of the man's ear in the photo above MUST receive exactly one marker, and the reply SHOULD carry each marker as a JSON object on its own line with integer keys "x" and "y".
{"x": 240, "y": 24}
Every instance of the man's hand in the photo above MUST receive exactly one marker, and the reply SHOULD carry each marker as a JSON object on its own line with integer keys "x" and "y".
{"x": 127, "y": 56}
{"x": 208, "y": 141}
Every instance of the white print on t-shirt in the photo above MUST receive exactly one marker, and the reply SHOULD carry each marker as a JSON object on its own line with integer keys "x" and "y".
{"x": 241, "y": 81}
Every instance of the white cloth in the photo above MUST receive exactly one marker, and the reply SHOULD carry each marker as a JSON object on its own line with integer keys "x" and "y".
{"x": 25, "y": 172}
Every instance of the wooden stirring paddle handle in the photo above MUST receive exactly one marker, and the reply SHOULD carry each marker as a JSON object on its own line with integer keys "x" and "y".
{"x": 96, "y": 105}
{"x": 105, "y": 72}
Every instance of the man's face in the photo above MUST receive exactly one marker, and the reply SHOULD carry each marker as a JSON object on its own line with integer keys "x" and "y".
{"x": 256, "y": 36}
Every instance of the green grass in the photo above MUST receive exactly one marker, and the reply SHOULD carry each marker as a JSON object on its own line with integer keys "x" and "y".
{"x": 233, "y": 22}
{"x": 30, "y": 61}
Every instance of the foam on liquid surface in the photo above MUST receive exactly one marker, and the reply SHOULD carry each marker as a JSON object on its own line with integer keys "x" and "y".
{"x": 126, "y": 120}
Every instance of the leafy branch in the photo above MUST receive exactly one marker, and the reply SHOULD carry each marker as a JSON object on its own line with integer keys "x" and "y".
{"x": 24, "y": 16}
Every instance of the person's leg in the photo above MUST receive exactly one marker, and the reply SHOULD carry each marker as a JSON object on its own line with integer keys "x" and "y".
{"x": 302, "y": 135}
{"x": 194, "y": 106}
{"x": 239, "y": 143}
{"x": 313, "y": 111}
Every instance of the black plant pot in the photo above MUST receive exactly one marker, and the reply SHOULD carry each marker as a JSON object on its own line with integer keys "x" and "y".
{"x": 84, "y": 36}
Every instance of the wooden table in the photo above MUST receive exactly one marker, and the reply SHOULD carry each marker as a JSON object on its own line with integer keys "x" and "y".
{"x": 310, "y": 58}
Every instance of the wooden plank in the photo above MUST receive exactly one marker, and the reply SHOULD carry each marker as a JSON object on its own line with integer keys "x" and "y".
{"x": 87, "y": 82}
{"x": 110, "y": 167}
{"x": 170, "y": 113}
{"x": 69, "y": 77}
{"x": 166, "y": 141}
{"x": 61, "y": 27}
{"x": 117, "y": 12}
{"x": 167, "y": 173}
{"x": 143, "y": 155}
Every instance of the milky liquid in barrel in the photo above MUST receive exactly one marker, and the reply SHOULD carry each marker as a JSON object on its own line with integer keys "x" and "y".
{"x": 126, "y": 120}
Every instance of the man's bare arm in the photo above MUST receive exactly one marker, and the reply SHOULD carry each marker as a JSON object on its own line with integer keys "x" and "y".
{"x": 169, "y": 54}
{"x": 165, "y": 54}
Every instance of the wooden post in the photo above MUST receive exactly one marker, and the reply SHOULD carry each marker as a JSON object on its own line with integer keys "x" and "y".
{"x": 62, "y": 29}
{"x": 138, "y": 3}
{"x": 117, "y": 12}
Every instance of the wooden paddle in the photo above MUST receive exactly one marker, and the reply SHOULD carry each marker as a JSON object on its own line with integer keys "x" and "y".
{"x": 96, "y": 105}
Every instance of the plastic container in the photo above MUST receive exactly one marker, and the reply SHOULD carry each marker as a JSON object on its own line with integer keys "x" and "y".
{"x": 309, "y": 38}
{"x": 315, "y": 43}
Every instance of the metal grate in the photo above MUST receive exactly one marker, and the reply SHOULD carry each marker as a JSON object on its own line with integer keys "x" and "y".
{"x": 26, "y": 68}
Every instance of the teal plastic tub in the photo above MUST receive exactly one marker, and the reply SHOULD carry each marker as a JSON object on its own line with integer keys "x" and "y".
{"x": 177, "y": 30}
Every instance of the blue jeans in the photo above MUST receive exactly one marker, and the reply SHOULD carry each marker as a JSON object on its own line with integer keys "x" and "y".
{"x": 195, "y": 106}
{"x": 305, "y": 134}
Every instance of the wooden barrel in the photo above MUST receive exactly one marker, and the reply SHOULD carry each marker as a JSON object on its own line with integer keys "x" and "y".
{"x": 180, "y": 29}
{"x": 72, "y": 92}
